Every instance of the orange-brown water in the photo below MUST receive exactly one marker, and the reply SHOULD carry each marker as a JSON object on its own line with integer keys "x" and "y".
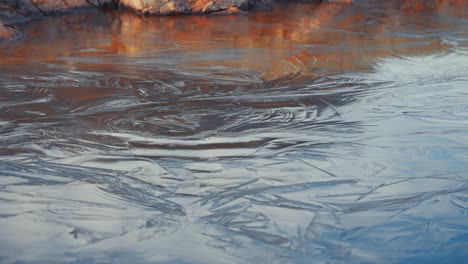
{"x": 292, "y": 38}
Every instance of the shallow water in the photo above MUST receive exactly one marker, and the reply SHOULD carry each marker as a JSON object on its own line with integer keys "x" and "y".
{"x": 306, "y": 134}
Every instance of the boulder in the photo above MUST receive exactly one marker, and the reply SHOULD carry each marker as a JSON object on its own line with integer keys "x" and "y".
{"x": 151, "y": 7}
{"x": 47, "y": 7}
{"x": 210, "y": 6}
{"x": 159, "y": 7}
{"x": 172, "y": 7}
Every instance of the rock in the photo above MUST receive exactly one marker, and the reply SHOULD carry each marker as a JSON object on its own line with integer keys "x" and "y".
{"x": 211, "y": 7}
{"x": 7, "y": 33}
{"x": 230, "y": 11}
{"x": 220, "y": 7}
{"x": 158, "y": 7}
{"x": 244, "y": 5}
{"x": 151, "y": 7}
{"x": 47, "y": 7}
{"x": 10, "y": 15}
{"x": 172, "y": 7}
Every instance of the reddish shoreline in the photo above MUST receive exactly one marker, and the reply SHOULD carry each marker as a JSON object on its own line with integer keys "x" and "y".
{"x": 13, "y": 11}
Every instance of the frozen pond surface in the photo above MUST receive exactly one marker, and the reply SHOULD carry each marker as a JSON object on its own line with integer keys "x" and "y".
{"x": 307, "y": 134}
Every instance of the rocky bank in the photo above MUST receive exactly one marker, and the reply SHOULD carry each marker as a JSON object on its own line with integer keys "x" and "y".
{"x": 14, "y": 11}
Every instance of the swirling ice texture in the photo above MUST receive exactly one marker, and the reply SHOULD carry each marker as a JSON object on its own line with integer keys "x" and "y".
{"x": 378, "y": 179}
{"x": 364, "y": 166}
